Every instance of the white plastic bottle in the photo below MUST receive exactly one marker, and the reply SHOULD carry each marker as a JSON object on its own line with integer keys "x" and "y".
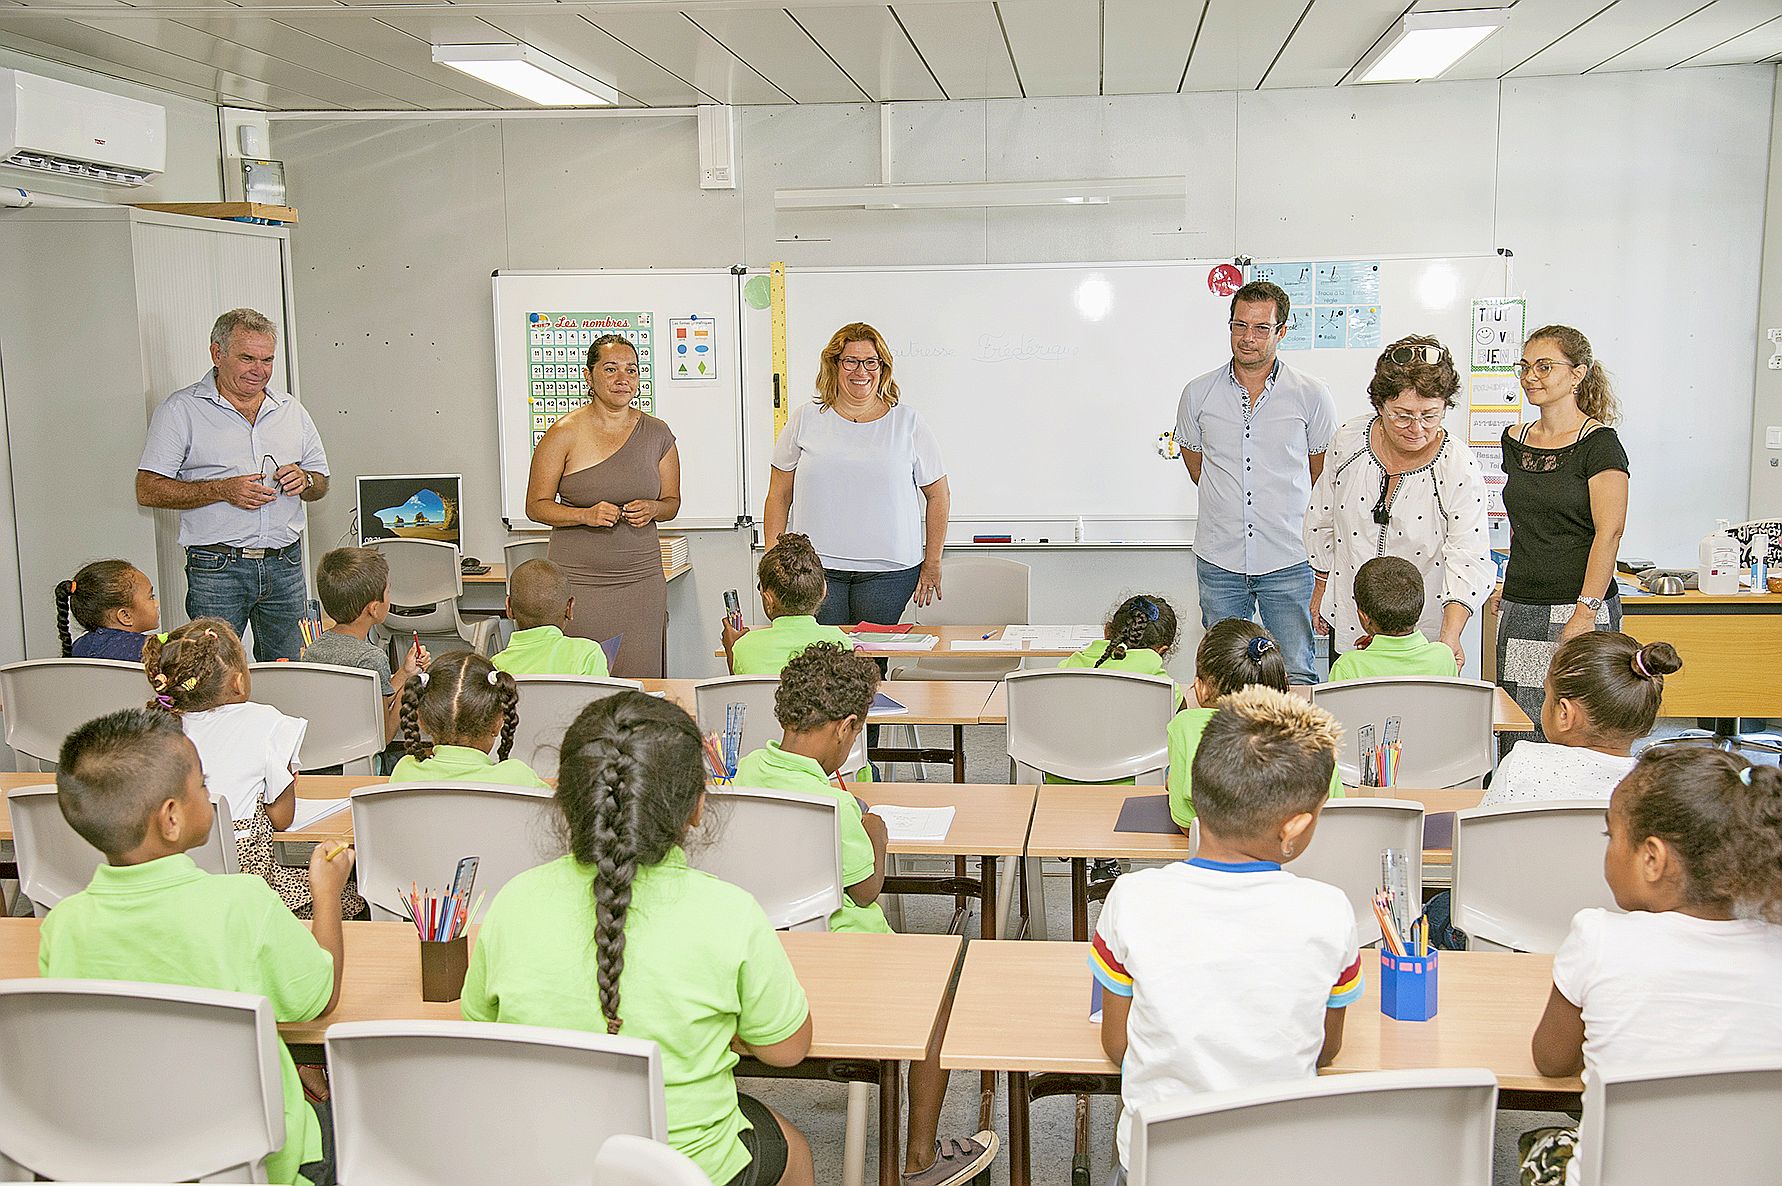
{"x": 1719, "y": 571}
{"x": 1760, "y": 563}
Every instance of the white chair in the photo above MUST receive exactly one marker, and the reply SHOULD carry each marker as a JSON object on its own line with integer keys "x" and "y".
{"x": 501, "y": 1102}
{"x": 1522, "y": 871}
{"x": 343, "y": 705}
{"x": 416, "y": 832}
{"x": 45, "y": 700}
{"x": 1446, "y": 726}
{"x": 633, "y": 1161}
{"x": 115, "y": 1081}
{"x": 425, "y": 584}
{"x": 712, "y": 697}
{"x": 1709, "y": 1121}
{"x": 988, "y": 590}
{"x": 1381, "y": 1128}
{"x": 1346, "y": 847}
{"x": 781, "y": 846}
{"x": 56, "y": 861}
{"x": 549, "y": 704}
{"x": 516, "y": 552}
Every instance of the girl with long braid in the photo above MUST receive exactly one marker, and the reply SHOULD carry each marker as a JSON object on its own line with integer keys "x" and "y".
{"x": 1140, "y": 636}
{"x": 114, "y": 602}
{"x": 676, "y": 956}
{"x": 468, "y": 708}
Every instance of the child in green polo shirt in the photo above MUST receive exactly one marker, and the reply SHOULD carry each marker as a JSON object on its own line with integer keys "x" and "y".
{"x": 1140, "y": 635}
{"x": 464, "y": 705}
{"x": 538, "y": 601}
{"x": 621, "y": 937}
{"x": 1234, "y": 654}
{"x": 131, "y": 785}
{"x": 821, "y": 703}
{"x": 1389, "y": 602}
{"x": 790, "y": 580}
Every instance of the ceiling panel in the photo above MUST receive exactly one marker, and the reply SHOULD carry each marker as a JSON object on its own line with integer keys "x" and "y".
{"x": 1333, "y": 37}
{"x": 1532, "y": 27}
{"x": 1057, "y": 45}
{"x": 771, "y": 42}
{"x": 1719, "y": 22}
{"x": 1146, "y": 44}
{"x": 1610, "y": 32}
{"x": 70, "y": 57}
{"x": 372, "y": 37}
{"x": 963, "y": 44}
{"x": 1238, "y": 41}
{"x": 1761, "y": 43}
{"x": 678, "y": 45}
{"x": 872, "y": 47}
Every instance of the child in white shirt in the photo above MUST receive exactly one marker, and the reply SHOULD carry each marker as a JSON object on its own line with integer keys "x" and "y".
{"x": 248, "y": 751}
{"x": 1690, "y": 972}
{"x": 1226, "y": 971}
{"x": 1602, "y": 694}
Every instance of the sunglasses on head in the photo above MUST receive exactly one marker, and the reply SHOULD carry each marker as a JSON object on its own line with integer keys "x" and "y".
{"x": 1406, "y": 355}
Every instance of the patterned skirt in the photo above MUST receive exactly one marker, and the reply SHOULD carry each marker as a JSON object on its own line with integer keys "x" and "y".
{"x": 253, "y": 851}
{"x": 1527, "y": 636}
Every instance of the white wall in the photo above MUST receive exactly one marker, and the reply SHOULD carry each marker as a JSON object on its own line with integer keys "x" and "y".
{"x": 1634, "y": 204}
{"x": 1766, "y": 463}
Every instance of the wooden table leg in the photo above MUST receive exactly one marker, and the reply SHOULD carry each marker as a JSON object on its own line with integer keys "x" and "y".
{"x": 1020, "y": 1157}
{"x": 958, "y": 753}
{"x": 987, "y": 898}
{"x": 1079, "y": 898}
{"x": 890, "y": 1123}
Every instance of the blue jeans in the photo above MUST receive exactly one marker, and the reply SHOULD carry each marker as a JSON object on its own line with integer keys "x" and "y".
{"x": 268, "y": 592}
{"x": 1284, "y": 598}
{"x": 867, "y": 596}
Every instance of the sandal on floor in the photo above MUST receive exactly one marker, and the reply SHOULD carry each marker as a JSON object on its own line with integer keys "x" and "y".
{"x": 957, "y": 1161}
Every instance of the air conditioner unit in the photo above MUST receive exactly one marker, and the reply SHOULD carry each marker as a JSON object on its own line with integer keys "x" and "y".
{"x": 76, "y": 131}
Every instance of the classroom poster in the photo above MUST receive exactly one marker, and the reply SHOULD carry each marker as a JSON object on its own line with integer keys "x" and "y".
{"x": 1330, "y": 328}
{"x": 1349, "y": 282}
{"x": 1495, "y": 389}
{"x": 1299, "y": 329}
{"x": 557, "y": 350}
{"x": 1499, "y": 324}
{"x": 1491, "y": 464}
{"x": 692, "y": 348}
{"x": 1364, "y": 327}
{"x": 1294, "y": 279}
{"x": 1334, "y": 304}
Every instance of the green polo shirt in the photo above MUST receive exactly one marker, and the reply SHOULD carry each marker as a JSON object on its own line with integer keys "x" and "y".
{"x": 1400, "y": 654}
{"x": 702, "y": 966}
{"x": 170, "y": 922}
{"x": 766, "y": 650}
{"x": 772, "y": 768}
{"x": 543, "y": 650}
{"x": 1184, "y": 739}
{"x": 460, "y": 763}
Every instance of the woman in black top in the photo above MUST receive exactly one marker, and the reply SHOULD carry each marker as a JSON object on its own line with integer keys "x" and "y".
{"x": 1566, "y": 494}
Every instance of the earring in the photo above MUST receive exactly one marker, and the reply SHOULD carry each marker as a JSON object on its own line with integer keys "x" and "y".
{"x": 1287, "y": 850}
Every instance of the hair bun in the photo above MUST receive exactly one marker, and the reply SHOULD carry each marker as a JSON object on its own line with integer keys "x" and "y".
{"x": 1655, "y": 660}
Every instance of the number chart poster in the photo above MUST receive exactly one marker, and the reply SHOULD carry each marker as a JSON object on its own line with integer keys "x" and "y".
{"x": 1335, "y": 304}
{"x": 556, "y": 351}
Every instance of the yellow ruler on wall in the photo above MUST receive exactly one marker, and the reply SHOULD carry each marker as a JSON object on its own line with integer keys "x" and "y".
{"x": 782, "y": 388}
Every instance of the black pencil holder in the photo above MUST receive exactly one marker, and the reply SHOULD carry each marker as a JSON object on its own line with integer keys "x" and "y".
{"x": 443, "y": 966}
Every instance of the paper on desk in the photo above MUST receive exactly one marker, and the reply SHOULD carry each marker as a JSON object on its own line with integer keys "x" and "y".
{"x": 312, "y": 811}
{"x": 895, "y": 642}
{"x": 1055, "y": 638}
{"x": 909, "y": 824}
{"x": 988, "y": 644}
{"x": 884, "y": 706}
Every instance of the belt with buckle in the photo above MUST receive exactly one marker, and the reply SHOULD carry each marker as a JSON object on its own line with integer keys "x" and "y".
{"x": 243, "y": 553}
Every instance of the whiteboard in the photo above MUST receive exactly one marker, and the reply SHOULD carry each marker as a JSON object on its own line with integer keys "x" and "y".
{"x": 1048, "y": 385}
{"x": 705, "y": 414}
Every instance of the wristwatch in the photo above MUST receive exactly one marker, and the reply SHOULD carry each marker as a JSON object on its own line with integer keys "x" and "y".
{"x": 1593, "y": 604}
{"x": 309, "y": 480}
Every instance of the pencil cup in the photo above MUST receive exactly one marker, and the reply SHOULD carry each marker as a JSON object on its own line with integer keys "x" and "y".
{"x": 442, "y": 968}
{"x": 1408, "y": 985}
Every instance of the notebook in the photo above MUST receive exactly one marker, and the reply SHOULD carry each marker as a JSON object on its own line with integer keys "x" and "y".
{"x": 911, "y": 824}
{"x": 1146, "y": 813}
{"x": 311, "y": 811}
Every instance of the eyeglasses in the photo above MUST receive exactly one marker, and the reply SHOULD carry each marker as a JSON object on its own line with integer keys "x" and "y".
{"x": 860, "y": 364}
{"x": 1541, "y": 367}
{"x": 1406, "y": 355}
{"x": 1406, "y": 419}
{"x": 1243, "y": 329}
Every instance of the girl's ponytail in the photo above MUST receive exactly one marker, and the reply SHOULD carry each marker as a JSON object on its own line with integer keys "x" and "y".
{"x": 509, "y": 689}
{"x": 409, "y": 716}
{"x": 64, "y": 593}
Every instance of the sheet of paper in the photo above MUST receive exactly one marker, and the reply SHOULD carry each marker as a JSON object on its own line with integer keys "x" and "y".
{"x": 896, "y": 642}
{"x": 989, "y": 644}
{"x": 911, "y": 824}
{"x": 884, "y": 706}
{"x": 1055, "y": 638}
{"x": 309, "y": 811}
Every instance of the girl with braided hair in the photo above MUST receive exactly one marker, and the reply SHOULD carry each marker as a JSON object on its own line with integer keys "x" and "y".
{"x": 468, "y": 708}
{"x": 1140, "y": 636}
{"x": 114, "y": 602}
{"x": 199, "y": 673}
{"x": 676, "y": 956}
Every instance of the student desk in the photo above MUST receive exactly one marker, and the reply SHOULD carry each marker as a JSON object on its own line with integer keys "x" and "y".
{"x": 485, "y": 593}
{"x": 1506, "y": 715}
{"x": 948, "y": 635}
{"x": 1023, "y": 1008}
{"x": 875, "y": 1001}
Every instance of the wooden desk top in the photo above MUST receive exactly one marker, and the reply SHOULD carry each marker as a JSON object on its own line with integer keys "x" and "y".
{"x": 989, "y": 820}
{"x": 1506, "y": 717}
{"x": 1025, "y": 1007}
{"x": 930, "y": 702}
{"x": 948, "y": 636}
{"x": 497, "y": 574}
{"x": 871, "y": 996}
{"x": 1696, "y": 600}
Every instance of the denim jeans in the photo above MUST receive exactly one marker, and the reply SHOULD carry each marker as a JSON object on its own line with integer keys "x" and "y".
{"x": 269, "y": 593}
{"x": 1284, "y": 598}
{"x": 867, "y": 596}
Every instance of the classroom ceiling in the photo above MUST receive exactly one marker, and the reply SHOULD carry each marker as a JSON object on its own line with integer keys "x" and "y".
{"x": 373, "y": 55}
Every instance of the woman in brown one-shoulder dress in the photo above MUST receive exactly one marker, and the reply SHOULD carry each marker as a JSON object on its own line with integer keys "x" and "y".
{"x": 602, "y": 478}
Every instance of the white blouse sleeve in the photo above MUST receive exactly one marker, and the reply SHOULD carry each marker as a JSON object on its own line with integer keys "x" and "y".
{"x": 284, "y": 738}
{"x": 928, "y": 466}
{"x": 1467, "y": 571}
{"x": 1321, "y": 513}
{"x": 786, "y": 449}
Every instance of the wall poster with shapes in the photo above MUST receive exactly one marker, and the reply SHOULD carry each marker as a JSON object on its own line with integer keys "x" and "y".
{"x": 556, "y": 351}
{"x": 1364, "y": 327}
{"x": 1294, "y": 279}
{"x": 1330, "y": 328}
{"x": 693, "y": 347}
{"x": 1299, "y": 329}
{"x": 1498, "y": 326}
{"x": 1348, "y": 282}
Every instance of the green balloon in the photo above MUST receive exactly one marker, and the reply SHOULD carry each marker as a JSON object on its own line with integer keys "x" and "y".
{"x": 758, "y": 291}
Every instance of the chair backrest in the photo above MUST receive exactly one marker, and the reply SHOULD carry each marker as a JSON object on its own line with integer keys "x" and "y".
{"x": 55, "y": 860}
{"x": 633, "y": 1161}
{"x": 549, "y": 704}
{"x": 1446, "y": 726}
{"x": 783, "y": 847}
{"x": 1338, "y": 1128}
{"x": 1089, "y": 726}
{"x": 113, "y": 1081}
{"x": 755, "y": 692}
{"x": 1522, "y": 871}
{"x": 517, "y": 551}
{"x": 425, "y": 584}
{"x": 485, "y": 1083}
{"x": 1346, "y": 847}
{"x": 47, "y": 699}
{"x": 416, "y": 832}
{"x": 1635, "y": 1121}
{"x": 343, "y": 705}
{"x": 993, "y": 590}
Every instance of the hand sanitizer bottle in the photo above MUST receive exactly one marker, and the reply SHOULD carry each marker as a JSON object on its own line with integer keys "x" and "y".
{"x": 1719, "y": 571}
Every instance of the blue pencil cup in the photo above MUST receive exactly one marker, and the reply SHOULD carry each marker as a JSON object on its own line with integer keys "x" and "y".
{"x": 1408, "y": 986}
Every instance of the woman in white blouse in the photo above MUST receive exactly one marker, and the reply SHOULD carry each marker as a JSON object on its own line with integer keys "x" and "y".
{"x": 863, "y": 477}
{"x": 1396, "y": 484}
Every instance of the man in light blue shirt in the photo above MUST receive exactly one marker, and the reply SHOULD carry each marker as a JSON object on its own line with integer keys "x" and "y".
{"x": 238, "y": 460}
{"x": 1253, "y": 435}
